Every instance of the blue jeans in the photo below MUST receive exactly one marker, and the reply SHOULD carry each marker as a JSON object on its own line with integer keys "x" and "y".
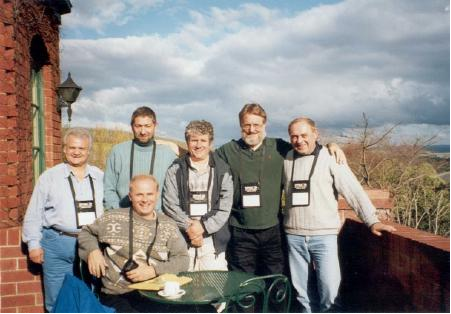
{"x": 59, "y": 255}
{"x": 315, "y": 271}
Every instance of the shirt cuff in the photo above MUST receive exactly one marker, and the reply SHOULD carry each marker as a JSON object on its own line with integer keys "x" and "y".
{"x": 33, "y": 244}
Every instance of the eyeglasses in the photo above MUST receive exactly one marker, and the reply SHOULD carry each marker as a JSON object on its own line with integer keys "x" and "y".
{"x": 249, "y": 126}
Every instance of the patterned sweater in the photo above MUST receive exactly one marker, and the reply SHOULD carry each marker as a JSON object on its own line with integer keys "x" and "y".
{"x": 111, "y": 231}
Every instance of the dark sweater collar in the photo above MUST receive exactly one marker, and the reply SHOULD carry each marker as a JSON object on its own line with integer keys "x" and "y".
{"x": 148, "y": 144}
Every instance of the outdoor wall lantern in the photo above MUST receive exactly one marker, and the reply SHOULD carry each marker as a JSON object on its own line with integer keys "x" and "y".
{"x": 68, "y": 92}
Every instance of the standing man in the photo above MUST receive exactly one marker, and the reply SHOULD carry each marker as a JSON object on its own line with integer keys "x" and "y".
{"x": 256, "y": 162}
{"x": 198, "y": 195}
{"x": 65, "y": 198}
{"x": 138, "y": 244}
{"x": 312, "y": 179}
{"x": 142, "y": 155}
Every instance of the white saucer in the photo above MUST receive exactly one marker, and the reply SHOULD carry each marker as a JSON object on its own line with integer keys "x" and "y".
{"x": 171, "y": 297}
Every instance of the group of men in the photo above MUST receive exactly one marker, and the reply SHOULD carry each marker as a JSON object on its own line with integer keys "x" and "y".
{"x": 218, "y": 210}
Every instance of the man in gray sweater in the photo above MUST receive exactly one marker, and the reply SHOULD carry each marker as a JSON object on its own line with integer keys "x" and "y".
{"x": 198, "y": 195}
{"x": 312, "y": 181}
{"x": 138, "y": 244}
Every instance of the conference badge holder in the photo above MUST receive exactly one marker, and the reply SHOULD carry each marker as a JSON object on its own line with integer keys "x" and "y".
{"x": 250, "y": 195}
{"x": 300, "y": 193}
{"x": 86, "y": 213}
{"x": 198, "y": 203}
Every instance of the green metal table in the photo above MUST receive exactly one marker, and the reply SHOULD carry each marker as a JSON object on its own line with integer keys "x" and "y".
{"x": 209, "y": 287}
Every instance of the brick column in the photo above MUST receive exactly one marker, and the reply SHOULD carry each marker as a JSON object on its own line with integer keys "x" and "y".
{"x": 20, "y": 283}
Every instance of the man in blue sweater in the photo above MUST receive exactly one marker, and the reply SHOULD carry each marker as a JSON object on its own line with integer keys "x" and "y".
{"x": 142, "y": 155}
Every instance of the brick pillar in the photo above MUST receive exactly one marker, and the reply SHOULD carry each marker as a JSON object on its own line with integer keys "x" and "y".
{"x": 20, "y": 283}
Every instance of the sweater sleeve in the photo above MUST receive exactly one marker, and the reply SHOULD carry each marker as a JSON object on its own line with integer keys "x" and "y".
{"x": 110, "y": 181}
{"x": 347, "y": 185}
{"x": 88, "y": 239}
{"x": 219, "y": 216}
{"x": 178, "y": 258}
{"x": 171, "y": 199}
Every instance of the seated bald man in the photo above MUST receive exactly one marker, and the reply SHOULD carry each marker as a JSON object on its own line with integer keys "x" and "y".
{"x": 129, "y": 245}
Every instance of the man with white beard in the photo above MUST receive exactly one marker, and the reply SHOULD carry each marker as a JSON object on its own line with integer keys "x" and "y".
{"x": 256, "y": 163}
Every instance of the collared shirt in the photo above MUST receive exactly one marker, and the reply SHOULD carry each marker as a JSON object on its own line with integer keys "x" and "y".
{"x": 52, "y": 203}
{"x": 198, "y": 181}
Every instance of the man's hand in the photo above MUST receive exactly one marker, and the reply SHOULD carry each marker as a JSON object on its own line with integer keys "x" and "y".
{"x": 336, "y": 151}
{"x": 197, "y": 242}
{"x": 195, "y": 230}
{"x": 36, "y": 255}
{"x": 97, "y": 264}
{"x": 141, "y": 273}
{"x": 378, "y": 227}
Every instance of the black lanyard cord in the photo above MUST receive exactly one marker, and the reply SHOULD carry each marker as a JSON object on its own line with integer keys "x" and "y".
{"x": 296, "y": 156}
{"x": 72, "y": 189}
{"x": 132, "y": 153}
{"x": 208, "y": 185}
{"x": 130, "y": 235}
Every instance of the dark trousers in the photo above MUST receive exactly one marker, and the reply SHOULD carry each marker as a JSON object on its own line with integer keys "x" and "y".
{"x": 256, "y": 251}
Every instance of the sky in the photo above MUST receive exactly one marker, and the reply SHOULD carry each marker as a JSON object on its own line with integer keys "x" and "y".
{"x": 331, "y": 61}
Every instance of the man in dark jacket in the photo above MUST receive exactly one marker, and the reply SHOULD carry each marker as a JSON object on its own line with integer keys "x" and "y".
{"x": 198, "y": 195}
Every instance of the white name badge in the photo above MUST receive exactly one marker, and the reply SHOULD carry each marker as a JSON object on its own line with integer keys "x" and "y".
{"x": 300, "y": 199}
{"x": 198, "y": 209}
{"x": 251, "y": 200}
{"x": 300, "y": 193}
{"x": 86, "y": 218}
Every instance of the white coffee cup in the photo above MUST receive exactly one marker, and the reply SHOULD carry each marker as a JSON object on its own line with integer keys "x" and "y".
{"x": 171, "y": 288}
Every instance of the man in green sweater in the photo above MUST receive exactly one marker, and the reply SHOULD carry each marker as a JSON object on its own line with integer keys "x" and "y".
{"x": 138, "y": 244}
{"x": 142, "y": 155}
{"x": 256, "y": 162}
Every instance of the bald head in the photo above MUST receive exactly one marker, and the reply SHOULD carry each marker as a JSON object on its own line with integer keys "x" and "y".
{"x": 143, "y": 195}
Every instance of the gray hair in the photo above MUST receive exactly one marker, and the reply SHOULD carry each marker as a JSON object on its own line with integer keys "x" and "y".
{"x": 78, "y": 133}
{"x": 302, "y": 119}
{"x": 201, "y": 127}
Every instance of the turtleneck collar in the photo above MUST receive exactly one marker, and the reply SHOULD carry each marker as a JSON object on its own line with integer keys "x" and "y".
{"x": 149, "y": 143}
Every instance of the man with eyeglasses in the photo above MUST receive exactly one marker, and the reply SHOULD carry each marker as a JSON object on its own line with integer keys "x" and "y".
{"x": 142, "y": 155}
{"x": 256, "y": 163}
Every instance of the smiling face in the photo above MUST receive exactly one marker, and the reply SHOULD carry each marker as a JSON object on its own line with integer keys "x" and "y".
{"x": 199, "y": 146}
{"x": 253, "y": 129}
{"x": 143, "y": 129}
{"x": 144, "y": 195}
{"x": 303, "y": 137}
{"x": 76, "y": 150}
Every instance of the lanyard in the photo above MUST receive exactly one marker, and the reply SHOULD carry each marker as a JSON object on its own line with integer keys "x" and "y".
{"x": 296, "y": 155}
{"x": 208, "y": 185}
{"x": 132, "y": 153}
{"x": 73, "y": 191}
{"x": 130, "y": 235}
{"x": 260, "y": 172}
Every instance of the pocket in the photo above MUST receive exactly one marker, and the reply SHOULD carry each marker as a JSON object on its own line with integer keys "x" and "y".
{"x": 49, "y": 235}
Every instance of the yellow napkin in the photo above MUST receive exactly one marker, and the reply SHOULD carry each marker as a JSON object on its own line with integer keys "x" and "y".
{"x": 158, "y": 282}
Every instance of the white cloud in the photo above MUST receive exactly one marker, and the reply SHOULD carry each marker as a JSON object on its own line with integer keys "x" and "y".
{"x": 389, "y": 59}
{"x": 100, "y": 13}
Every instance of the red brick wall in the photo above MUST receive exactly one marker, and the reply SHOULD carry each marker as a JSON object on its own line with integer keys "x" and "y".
{"x": 407, "y": 271}
{"x": 20, "y": 284}
{"x": 19, "y": 22}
